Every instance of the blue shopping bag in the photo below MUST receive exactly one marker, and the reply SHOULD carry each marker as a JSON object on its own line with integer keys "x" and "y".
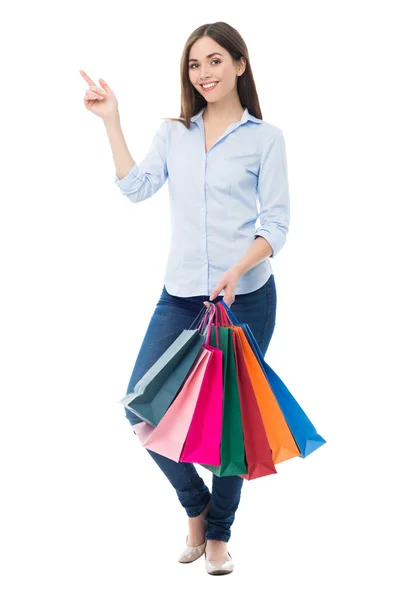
{"x": 305, "y": 434}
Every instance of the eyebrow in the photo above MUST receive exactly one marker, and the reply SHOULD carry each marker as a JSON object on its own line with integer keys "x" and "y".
{"x": 208, "y": 56}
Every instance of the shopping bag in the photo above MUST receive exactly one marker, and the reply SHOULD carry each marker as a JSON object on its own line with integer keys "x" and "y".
{"x": 203, "y": 440}
{"x": 232, "y": 441}
{"x": 169, "y": 436}
{"x": 142, "y": 431}
{"x": 302, "y": 429}
{"x": 258, "y": 454}
{"x": 280, "y": 438}
{"x": 155, "y": 391}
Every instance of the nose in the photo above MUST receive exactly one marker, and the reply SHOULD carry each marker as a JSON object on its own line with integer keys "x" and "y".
{"x": 203, "y": 75}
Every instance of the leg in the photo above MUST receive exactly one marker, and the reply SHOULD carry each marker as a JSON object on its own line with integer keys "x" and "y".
{"x": 226, "y": 492}
{"x": 170, "y": 317}
{"x": 190, "y": 488}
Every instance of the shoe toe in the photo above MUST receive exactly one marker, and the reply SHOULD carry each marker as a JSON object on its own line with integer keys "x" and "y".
{"x": 192, "y": 553}
{"x": 219, "y": 567}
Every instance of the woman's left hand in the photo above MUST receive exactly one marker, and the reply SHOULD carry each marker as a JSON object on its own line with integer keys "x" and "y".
{"x": 227, "y": 282}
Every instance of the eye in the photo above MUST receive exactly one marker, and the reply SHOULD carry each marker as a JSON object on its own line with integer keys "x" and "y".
{"x": 215, "y": 59}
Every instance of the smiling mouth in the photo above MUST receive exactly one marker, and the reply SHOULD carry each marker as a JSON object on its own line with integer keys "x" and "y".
{"x": 209, "y": 86}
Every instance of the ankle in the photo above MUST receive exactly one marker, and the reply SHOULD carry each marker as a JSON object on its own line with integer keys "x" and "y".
{"x": 202, "y": 514}
{"x": 218, "y": 543}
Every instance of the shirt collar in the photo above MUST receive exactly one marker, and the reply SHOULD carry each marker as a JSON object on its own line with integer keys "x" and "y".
{"x": 246, "y": 116}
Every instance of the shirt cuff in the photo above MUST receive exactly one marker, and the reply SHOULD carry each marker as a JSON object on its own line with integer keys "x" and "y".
{"x": 126, "y": 183}
{"x": 261, "y": 232}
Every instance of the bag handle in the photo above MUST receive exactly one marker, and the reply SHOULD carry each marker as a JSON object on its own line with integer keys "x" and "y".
{"x": 205, "y": 319}
{"x": 199, "y": 316}
{"x": 214, "y": 314}
{"x": 228, "y": 313}
{"x": 207, "y": 323}
{"x": 225, "y": 319}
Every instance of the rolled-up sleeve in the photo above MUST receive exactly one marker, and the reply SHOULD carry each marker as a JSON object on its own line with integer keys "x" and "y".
{"x": 147, "y": 177}
{"x": 273, "y": 194}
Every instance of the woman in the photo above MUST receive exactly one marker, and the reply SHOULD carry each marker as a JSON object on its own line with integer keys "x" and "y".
{"x": 219, "y": 157}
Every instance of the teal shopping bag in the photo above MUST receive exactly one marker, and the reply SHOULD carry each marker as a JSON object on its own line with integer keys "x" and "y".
{"x": 155, "y": 391}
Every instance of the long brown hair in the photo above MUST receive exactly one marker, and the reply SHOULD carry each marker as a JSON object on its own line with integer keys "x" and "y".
{"x": 230, "y": 39}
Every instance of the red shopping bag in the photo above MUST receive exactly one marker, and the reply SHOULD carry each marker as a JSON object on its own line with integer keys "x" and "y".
{"x": 280, "y": 438}
{"x": 258, "y": 454}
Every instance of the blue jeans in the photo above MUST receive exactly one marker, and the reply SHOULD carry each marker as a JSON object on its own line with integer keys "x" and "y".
{"x": 173, "y": 314}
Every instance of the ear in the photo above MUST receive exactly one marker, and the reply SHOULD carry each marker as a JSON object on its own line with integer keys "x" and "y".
{"x": 242, "y": 66}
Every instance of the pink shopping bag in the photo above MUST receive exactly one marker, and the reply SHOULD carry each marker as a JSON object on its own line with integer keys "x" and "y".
{"x": 203, "y": 441}
{"x": 143, "y": 430}
{"x": 169, "y": 436}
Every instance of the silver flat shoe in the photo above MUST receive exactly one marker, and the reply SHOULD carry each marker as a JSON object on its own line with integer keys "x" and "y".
{"x": 192, "y": 553}
{"x": 219, "y": 567}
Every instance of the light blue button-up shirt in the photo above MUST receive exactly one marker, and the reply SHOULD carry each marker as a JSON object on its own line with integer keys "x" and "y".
{"x": 219, "y": 200}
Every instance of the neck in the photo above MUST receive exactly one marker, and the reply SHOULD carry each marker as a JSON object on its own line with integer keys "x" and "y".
{"x": 223, "y": 111}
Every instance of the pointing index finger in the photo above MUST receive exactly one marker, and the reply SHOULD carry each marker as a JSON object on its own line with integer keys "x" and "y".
{"x": 88, "y": 79}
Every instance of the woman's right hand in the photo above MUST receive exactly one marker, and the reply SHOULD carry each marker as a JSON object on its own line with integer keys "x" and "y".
{"x": 100, "y": 101}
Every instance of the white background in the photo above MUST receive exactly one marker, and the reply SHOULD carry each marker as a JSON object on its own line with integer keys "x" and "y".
{"x": 85, "y": 511}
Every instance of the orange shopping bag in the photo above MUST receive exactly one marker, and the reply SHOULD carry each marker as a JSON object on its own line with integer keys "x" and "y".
{"x": 280, "y": 438}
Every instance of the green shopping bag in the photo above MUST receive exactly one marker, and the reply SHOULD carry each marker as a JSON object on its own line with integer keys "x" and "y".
{"x": 232, "y": 442}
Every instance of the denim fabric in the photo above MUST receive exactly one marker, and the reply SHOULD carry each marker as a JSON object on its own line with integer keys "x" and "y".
{"x": 173, "y": 314}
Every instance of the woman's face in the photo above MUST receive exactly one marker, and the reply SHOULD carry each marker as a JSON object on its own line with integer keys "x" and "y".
{"x": 219, "y": 68}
